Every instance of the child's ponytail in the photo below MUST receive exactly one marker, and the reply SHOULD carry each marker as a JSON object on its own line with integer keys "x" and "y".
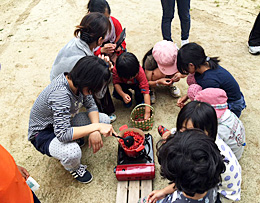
{"x": 213, "y": 62}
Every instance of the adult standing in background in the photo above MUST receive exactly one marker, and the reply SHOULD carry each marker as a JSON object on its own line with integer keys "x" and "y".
{"x": 168, "y": 7}
{"x": 254, "y": 37}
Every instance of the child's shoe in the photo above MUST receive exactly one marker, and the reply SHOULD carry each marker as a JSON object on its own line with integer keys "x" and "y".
{"x": 82, "y": 174}
{"x": 152, "y": 97}
{"x": 112, "y": 117}
{"x": 162, "y": 130}
{"x": 175, "y": 91}
{"x": 80, "y": 141}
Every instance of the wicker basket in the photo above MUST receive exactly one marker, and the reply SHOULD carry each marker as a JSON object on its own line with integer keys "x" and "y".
{"x": 138, "y": 113}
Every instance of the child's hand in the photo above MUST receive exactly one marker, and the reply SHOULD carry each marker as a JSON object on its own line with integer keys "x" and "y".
{"x": 181, "y": 101}
{"x": 165, "y": 81}
{"x": 106, "y": 59}
{"x": 106, "y": 129}
{"x": 176, "y": 77}
{"x": 108, "y": 48}
{"x": 95, "y": 141}
{"x": 126, "y": 98}
{"x": 24, "y": 172}
{"x": 155, "y": 196}
{"x": 166, "y": 135}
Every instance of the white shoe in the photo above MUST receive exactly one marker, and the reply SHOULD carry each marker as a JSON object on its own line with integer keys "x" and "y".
{"x": 175, "y": 91}
{"x": 183, "y": 42}
{"x": 254, "y": 50}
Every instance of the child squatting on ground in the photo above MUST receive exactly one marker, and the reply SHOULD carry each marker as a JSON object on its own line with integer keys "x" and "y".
{"x": 109, "y": 45}
{"x": 55, "y": 123}
{"x": 230, "y": 129}
{"x": 208, "y": 73}
{"x": 203, "y": 116}
{"x": 160, "y": 64}
{"x": 192, "y": 162}
{"x": 128, "y": 74}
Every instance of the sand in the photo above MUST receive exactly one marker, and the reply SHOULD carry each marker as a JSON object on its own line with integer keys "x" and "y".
{"x": 31, "y": 34}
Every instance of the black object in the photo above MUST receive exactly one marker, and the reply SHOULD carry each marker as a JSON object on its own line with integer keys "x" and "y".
{"x": 128, "y": 141}
{"x": 121, "y": 39}
{"x": 254, "y": 37}
{"x": 145, "y": 156}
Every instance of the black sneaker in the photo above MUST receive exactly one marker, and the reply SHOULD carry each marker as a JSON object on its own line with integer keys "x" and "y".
{"x": 82, "y": 174}
{"x": 81, "y": 142}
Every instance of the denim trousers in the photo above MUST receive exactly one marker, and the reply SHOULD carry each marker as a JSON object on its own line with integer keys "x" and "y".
{"x": 168, "y": 7}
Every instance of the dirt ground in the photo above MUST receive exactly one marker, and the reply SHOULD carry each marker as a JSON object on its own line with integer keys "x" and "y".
{"x": 33, "y": 31}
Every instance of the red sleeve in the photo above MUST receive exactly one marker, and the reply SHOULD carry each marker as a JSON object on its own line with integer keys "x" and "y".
{"x": 118, "y": 29}
{"x": 96, "y": 53}
{"x": 116, "y": 78}
{"x": 143, "y": 82}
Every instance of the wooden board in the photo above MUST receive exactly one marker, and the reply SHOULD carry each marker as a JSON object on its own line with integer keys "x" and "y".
{"x": 132, "y": 191}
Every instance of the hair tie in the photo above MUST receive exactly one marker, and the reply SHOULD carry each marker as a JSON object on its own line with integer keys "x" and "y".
{"x": 207, "y": 59}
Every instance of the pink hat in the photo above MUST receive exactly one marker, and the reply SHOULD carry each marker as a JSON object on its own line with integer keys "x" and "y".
{"x": 165, "y": 54}
{"x": 193, "y": 91}
{"x": 216, "y": 97}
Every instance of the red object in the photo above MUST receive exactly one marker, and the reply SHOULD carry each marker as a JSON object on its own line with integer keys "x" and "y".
{"x": 138, "y": 145}
{"x": 118, "y": 30}
{"x": 145, "y": 171}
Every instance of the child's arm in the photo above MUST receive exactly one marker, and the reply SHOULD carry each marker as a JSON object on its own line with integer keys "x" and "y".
{"x": 181, "y": 101}
{"x": 147, "y": 108}
{"x": 160, "y": 194}
{"x": 125, "y": 96}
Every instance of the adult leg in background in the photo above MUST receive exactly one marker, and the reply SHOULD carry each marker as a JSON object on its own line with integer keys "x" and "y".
{"x": 168, "y": 14}
{"x": 254, "y": 37}
{"x": 184, "y": 15}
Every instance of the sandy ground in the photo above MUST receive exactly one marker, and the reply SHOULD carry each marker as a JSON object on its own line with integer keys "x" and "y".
{"x": 33, "y": 31}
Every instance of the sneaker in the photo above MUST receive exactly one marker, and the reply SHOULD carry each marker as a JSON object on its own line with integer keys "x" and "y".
{"x": 82, "y": 174}
{"x": 152, "y": 97}
{"x": 183, "y": 42}
{"x": 254, "y": 50}
{"x": 112, "y": 117}
{"x": 175, "y": 91}
{"x": 162, "y": 130}
{"x": 81, "y": 142}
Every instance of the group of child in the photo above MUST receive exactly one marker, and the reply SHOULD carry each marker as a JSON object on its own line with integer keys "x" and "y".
{"x": 192, "y": 160}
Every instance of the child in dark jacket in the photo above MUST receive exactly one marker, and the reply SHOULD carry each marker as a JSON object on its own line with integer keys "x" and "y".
{"x": 128, "y": 74}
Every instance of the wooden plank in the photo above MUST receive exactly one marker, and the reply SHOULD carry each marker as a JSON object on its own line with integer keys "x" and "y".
{"x": 134, "y": 191}
{"x": 122, "y": 188}
{"x": 146, "y": 187}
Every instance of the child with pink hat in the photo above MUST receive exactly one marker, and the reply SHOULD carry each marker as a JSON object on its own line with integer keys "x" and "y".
{"x": 160, "y": 64}
{"x": 230, "y": 128}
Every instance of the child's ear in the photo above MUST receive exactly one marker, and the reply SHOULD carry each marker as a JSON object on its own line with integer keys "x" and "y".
{"x": 100, "y": 41}
{"x": 191, "y": 68}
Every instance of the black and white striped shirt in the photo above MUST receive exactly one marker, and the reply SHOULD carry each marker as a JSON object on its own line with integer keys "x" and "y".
{"x": 55, "y": 107}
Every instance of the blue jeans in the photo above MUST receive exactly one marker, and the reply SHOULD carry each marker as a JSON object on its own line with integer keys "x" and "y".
{"x": 168, "y": 7}
{"x": 237, "y": 106}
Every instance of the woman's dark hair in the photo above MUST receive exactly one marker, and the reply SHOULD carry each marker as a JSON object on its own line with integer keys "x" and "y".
{"x": 194, "y": 53}
{"x": 192, "y": 161}
{"x": 98, "y": 6}
{"x": 91, "y": 72}
{"x": 127, "y": 65}
{"x": 148, "y": 53}
{"x": 92, "y": 27}
{"x": 202, "y": 115}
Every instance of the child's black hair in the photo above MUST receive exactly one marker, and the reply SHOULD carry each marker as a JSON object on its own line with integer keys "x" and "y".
{"x": 148, "y": 53}
{"x": 194, "y": 53}
{"x": 127, "y": 65}
{"x": 98, "y": 6}
{"x": 92, "y": 27}
{"x": 91, "y": 72}
{"x": 192, "y": 161}
{"x": 202, "y": 115}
